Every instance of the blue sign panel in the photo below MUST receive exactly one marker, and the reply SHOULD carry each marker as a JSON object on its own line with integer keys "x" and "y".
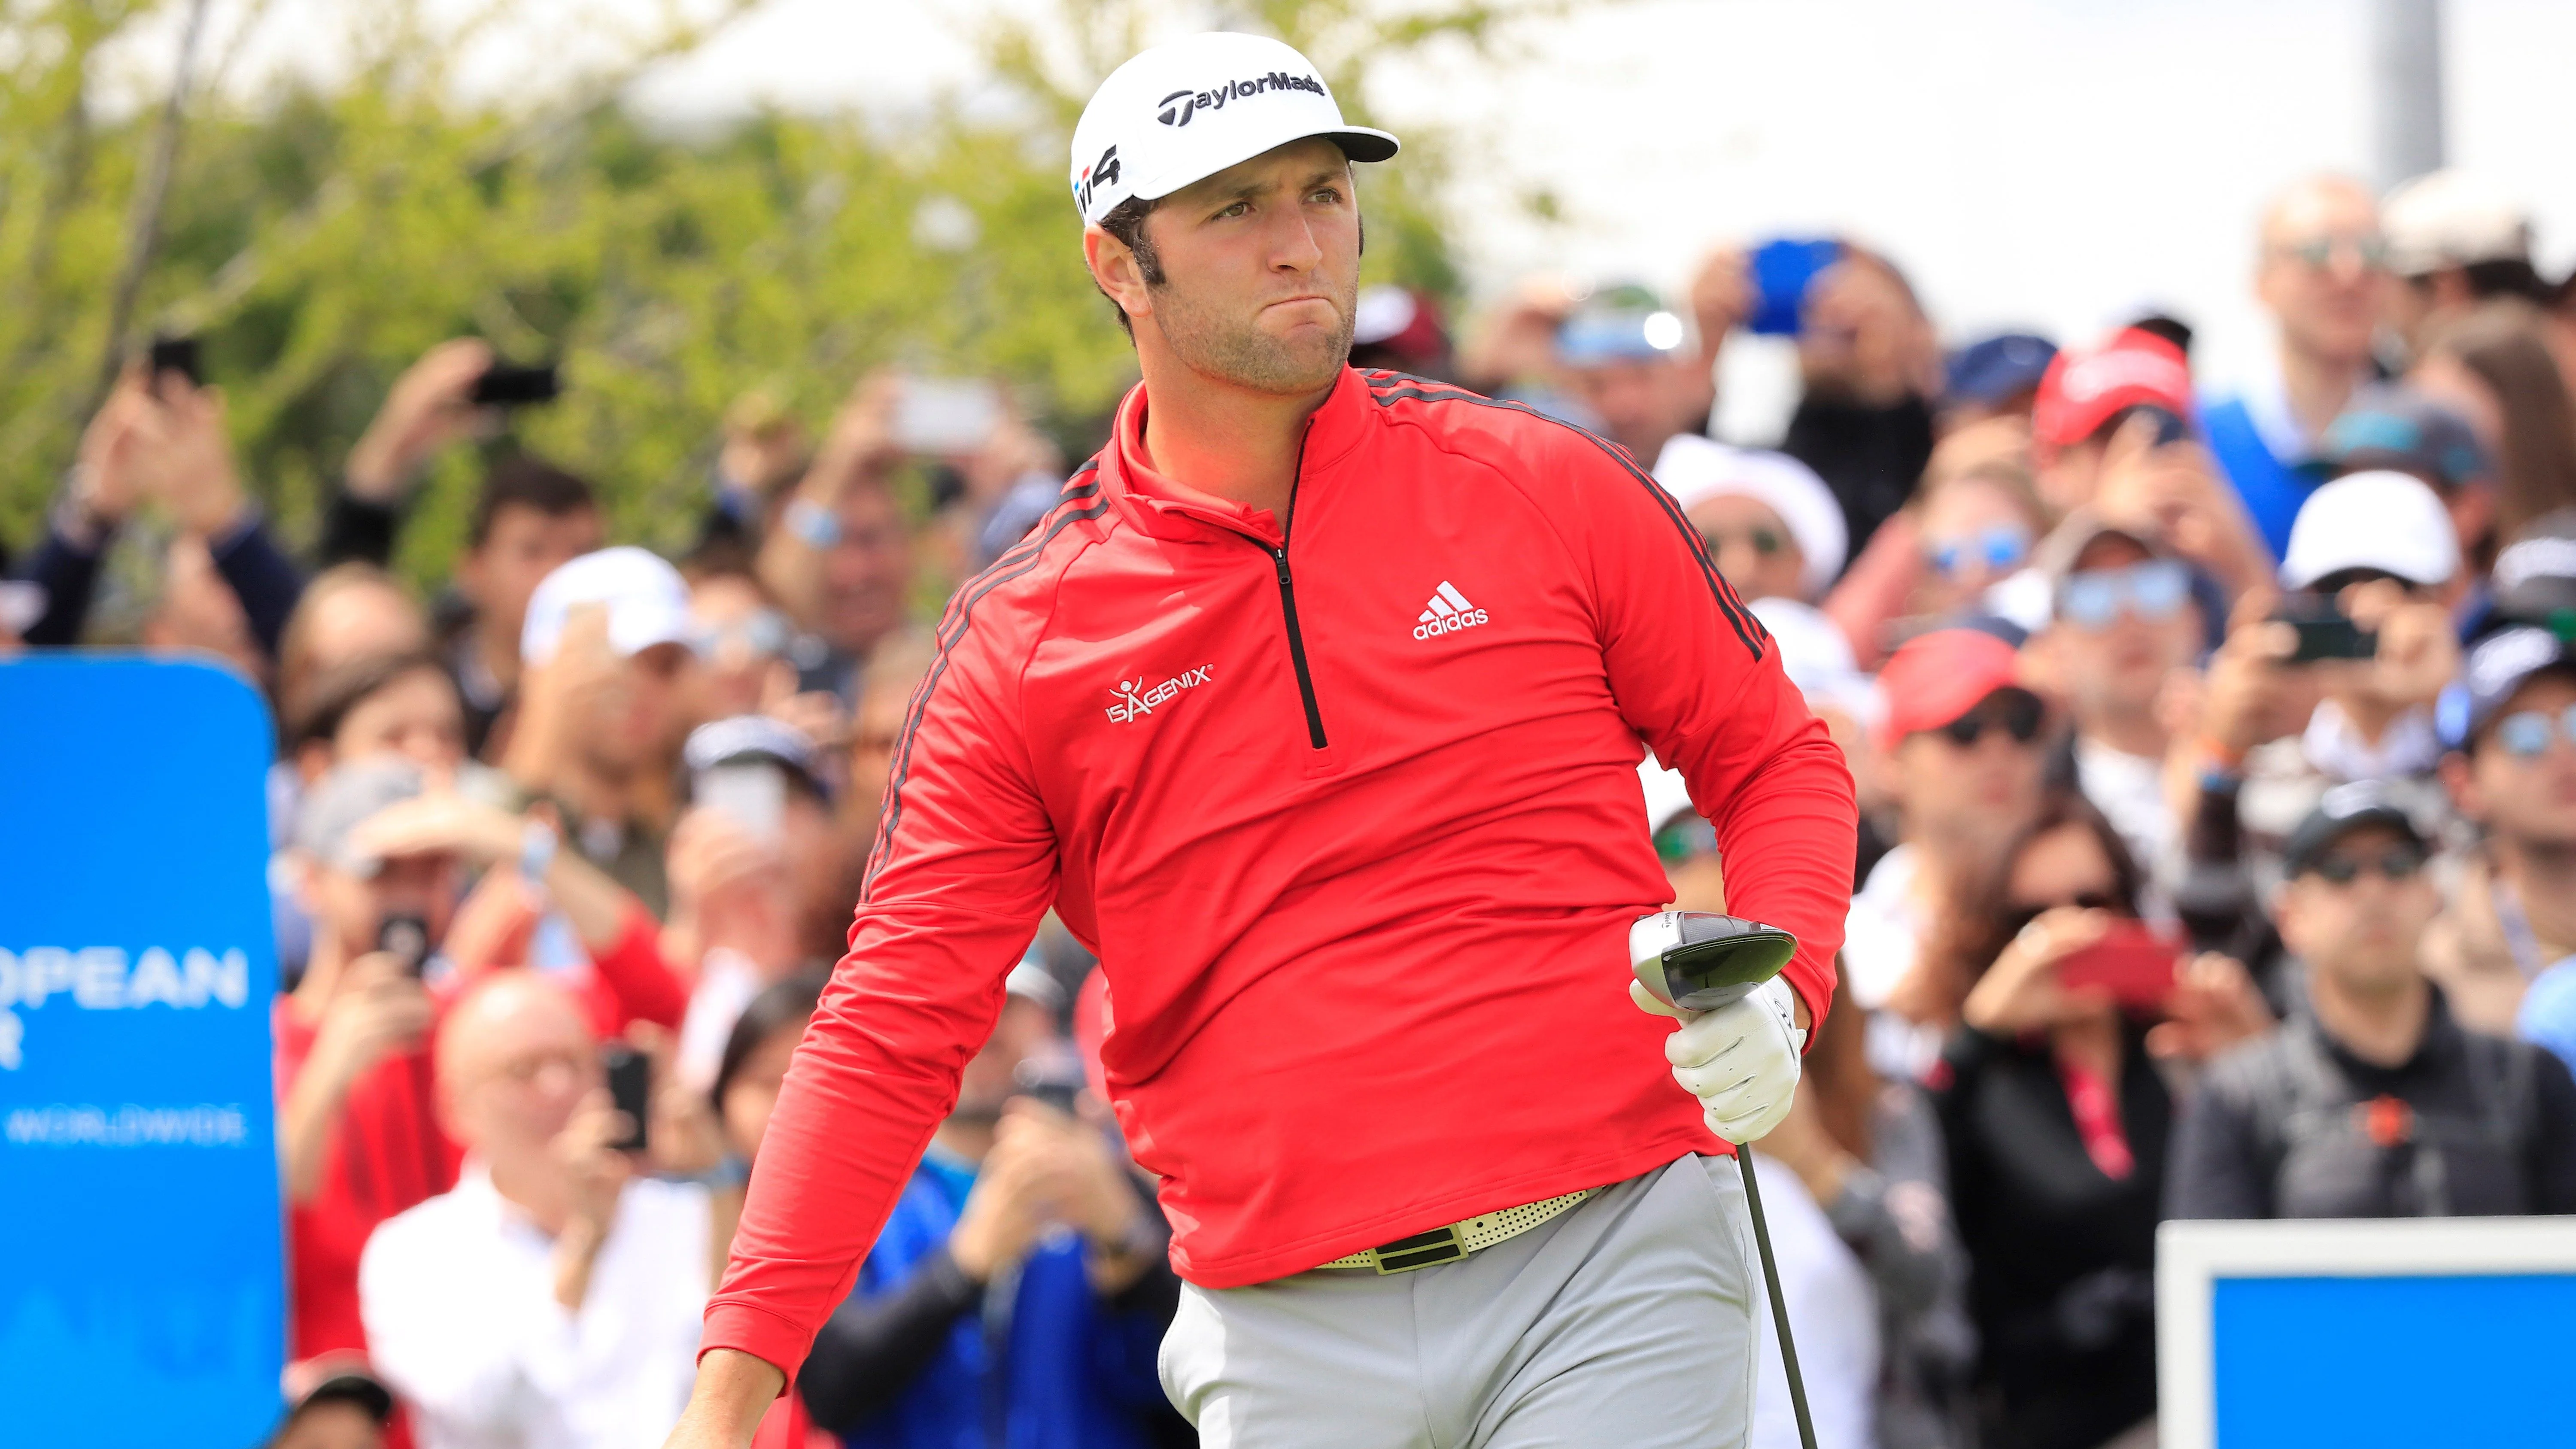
{"x": 143, "y": 1301}
{"x": 2395, "y": 1363}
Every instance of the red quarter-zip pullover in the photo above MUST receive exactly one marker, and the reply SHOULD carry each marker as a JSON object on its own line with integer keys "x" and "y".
{"x": 1349, "y": 810}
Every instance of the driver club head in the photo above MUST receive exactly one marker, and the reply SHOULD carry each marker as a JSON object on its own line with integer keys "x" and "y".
{"x": 1700, "y": 961}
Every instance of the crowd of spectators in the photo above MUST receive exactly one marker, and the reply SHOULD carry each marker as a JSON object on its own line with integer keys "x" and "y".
{"x": 2216, "y": 754}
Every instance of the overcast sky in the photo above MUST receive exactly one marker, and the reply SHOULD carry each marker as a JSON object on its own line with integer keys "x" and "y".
{"x": 2049, "y": 163}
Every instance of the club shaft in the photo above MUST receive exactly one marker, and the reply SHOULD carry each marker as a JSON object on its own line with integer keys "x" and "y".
{"x": 1779, "y": 1305}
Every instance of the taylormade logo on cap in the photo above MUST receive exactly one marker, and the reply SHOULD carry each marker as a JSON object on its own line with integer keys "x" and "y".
{"x": 1180, "y": 105}
{"x": 1165, "y": 119}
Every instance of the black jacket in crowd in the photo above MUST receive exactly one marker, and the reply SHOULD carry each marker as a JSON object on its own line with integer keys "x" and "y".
{"x": 2295, "y": 1126}
{"x": 2061, "y": 1256}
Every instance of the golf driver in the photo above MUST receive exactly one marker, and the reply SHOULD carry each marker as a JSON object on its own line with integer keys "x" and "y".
{"x": 1698, "y": 961}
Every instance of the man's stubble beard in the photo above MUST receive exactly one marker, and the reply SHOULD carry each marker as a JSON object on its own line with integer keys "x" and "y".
{"x": 1214, "y": 345}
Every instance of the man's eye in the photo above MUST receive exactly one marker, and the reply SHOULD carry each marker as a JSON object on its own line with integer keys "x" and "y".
{"x": 1240, "y": 208}
{"x": 1326, "y": 194}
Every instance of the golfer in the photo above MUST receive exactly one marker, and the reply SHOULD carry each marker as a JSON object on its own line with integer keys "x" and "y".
{"x": 1314, "y": 708}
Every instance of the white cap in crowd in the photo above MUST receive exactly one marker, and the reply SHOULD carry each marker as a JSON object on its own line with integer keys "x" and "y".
{"x": 648, "y": 602}
{"x": 2376, "y": 520}
{"x": 1185, "y": 111}
{"x": 2452, "y": 219}
{"x": 1693, "y": 468}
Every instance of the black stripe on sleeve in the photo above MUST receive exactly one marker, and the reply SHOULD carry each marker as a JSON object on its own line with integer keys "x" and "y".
{"x": 952, "y": 629}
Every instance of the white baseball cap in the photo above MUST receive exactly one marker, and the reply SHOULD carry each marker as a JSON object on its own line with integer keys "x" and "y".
{"x": 648, "y": 602}
{"x": 2452, "y": 219}
{"x": 1185, "y": 111}
{"x": 1692, "y": 468}
{"x": 2376, "y": 520}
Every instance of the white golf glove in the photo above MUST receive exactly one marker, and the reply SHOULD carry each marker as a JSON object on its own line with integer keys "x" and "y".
{"x": 1741, "y": 1061}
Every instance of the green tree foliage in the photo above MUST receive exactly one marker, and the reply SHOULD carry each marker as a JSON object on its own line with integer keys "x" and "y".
{"x": 319, "y": 237}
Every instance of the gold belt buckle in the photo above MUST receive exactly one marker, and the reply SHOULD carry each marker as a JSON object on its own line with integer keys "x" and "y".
{"x": 1422, "y": 1250}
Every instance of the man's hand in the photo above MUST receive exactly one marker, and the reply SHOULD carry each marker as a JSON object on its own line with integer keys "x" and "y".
{"x": 734, "y": 1389}
{"x": 2250, "y": 696}
{"x": 2419, "y": 649}
{"x": 2173, "y": 491}
{"x": 2020, "y": 992}
{"x": 557, "y": 695}
{"x": 861, "y": 446}
{"x": 595, "y": 1174}
{"x": 2214, "y": 1007}
{"x": 431, "y": 406}
{"x": 1721, "y": 296}
{"x": 729, "y": 889}
{"x": 1740, "y": 1060}
{"x": 377, "y": 1007}
{"x": 441, "y": 823}
{"x": 1013, "y": 1199}
{"x": 1087, "y": 1187}
{"x": 184, "y": 457}
{"x": 109, "y": 484}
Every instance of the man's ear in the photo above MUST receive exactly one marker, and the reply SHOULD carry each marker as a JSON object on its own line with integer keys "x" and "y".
{"x": 1115, "y": 271}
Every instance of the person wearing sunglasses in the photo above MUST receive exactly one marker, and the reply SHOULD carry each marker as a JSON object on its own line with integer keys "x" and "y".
{"x": 2122, "y": 620}
{"x": 2322, "y": 272}
{"x": 2512, "y": 721}
{"x": 1770, "y": 524}
{"x": 1975, "y": 530}
{"x": 1961, "y": 738}
{"x": 2372, "y": 1100}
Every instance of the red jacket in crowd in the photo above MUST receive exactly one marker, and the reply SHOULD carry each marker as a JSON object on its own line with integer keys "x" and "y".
{"x": 1348, "y": 810}
{"x": 386, "y": 1152}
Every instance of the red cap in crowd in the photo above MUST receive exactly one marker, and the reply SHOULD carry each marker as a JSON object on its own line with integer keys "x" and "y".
{"x": 2083, "y": 387}
{"x": 1937, "y": 677}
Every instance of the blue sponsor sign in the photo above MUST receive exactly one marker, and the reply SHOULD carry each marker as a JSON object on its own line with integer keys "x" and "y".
{"x": 2413, "y": 1333}
{"x": 143, "y": 1301}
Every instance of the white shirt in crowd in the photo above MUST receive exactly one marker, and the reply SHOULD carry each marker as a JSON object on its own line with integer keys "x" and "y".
{"x": 2129, "y": 790}
{"x": 459, "y": 1302}
{"x": 1833, "y": 1310}
{"x": 727, "y": 981}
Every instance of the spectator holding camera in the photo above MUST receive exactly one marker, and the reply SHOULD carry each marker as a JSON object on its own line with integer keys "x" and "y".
{"x": 2056, "y": 1122}
{"x": 552, "y": 1296}
{"x": 606, "y": 706}
{"x": 2377, "y": 549}
{"x": 839, "y": 555}
{"x": 1018, "y": 1294}
{"x": 162, "y": 438}
{"x": 2512, "y": 915}
{"x": 380, "y": 862}
{"x": 2111, "y": 431}
{"x": 2372, "y": 1100}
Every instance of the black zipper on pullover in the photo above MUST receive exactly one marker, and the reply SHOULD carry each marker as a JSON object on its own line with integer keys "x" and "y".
{"x": 1297, "y": 649}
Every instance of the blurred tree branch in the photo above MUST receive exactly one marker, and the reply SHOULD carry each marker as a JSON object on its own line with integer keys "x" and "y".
{"x": 319, "y": 234}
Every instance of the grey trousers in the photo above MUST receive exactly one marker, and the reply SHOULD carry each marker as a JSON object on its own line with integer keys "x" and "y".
{"x": 1627, "y": 1321}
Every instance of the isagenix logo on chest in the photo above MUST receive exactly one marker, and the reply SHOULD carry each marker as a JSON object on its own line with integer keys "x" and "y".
{"x": 1136, "y": 700}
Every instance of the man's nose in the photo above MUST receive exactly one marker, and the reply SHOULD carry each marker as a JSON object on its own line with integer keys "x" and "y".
{"x": 1293, "y": 246}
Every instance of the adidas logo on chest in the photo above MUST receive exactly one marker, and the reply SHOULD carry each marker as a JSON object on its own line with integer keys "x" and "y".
{"x": 1447, "y": 613}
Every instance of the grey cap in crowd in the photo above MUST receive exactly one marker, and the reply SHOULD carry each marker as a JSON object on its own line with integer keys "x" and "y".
{"x": 1625, "y": 323}
{"x": 345, "y": 798}
{"x": 2535, "y": 575}
{"x": 2395, "y": 427}
{"x": 2057, "y": 555}
{"x": 2343, "y": 810}
{"x": 2492, "y": 674}
{"x": 2452, "y": 218}
{"x": 753, "y": 739}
